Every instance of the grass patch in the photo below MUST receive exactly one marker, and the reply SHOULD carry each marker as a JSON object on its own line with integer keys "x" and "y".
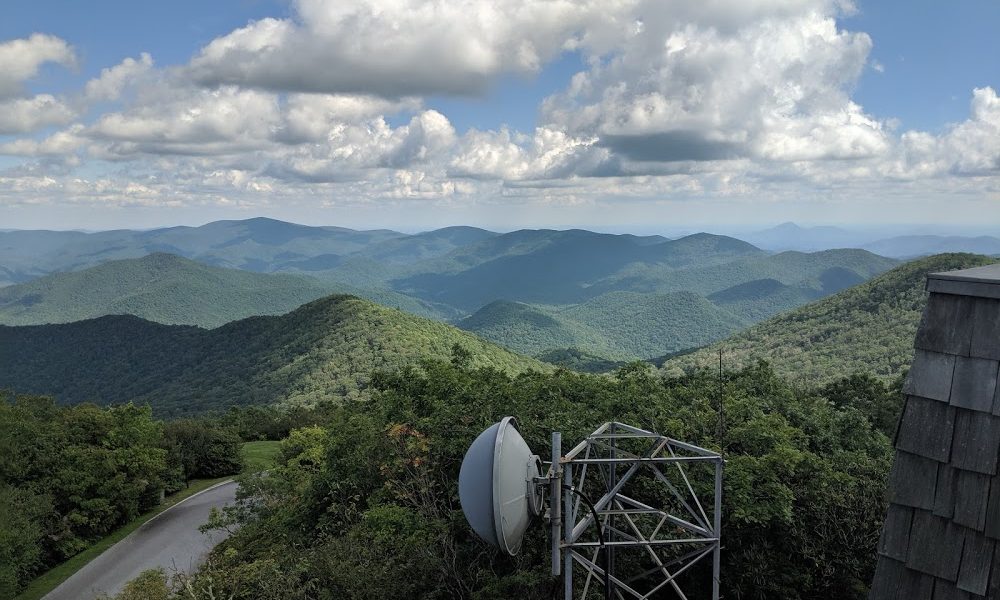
{"x": 260, "y": 456}
{"x": 257, "y": 456}
{"x": 48, "y": 581}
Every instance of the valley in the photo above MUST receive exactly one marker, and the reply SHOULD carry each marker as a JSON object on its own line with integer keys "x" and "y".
{"x": 374, "y": 355}
{"x": 615, "y": 297}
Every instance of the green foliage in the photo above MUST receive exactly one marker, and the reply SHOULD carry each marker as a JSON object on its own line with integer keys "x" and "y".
{"x": 823, "y": 271}
{"x": 570, "y": 267}
{"x": 578, "y": 360}
{"x": 866, "y": 328}
{"x": 323, "y": 351}
{"x": 269, "y": 422}
{"x": 372, "y": 495}
{"x": 69, "y": 476}
{"x": 762, "y": 298}
{"x": 871, "y": 396}
{"x": 201, "y": 450}
{"x": 616, "y": 325}
{"x": 172, "y": 290}
{"x": 648, "y": 325}
{"x": 23, "y": 521}
{"x": 149, "y": 585}
{"x": 620, "y": 297}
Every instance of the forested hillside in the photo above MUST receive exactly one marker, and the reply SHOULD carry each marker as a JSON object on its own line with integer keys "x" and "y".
{"x": 532, "y": 330}
{"x": 159, "y": 287}
{"x": 172, "y": 290}
{"x": 616, "y": 325}
{"x": 325, "y": 350}
{"x": 605, "y": 295}
{"x": 827, "y": 272}
{"x": 257, "y": 244}
{"x": 868, "y": 328}
{"x": 372, "y": 495}
{"x": 557, "y": 267}
{"x": 652, "y": 310}
{"x": 69, "y": 476}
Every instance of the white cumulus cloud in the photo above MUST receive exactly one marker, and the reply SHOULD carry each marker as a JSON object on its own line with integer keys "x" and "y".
{"x": 20, "y": 60}
{"x": 713, "y": 81}
{"x": 22, "y": 115}
{"x": 396, "y": 48}
{"x": 113, "y": 80}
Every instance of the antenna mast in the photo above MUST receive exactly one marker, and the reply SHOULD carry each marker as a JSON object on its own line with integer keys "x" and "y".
{"x": 658, "y": 528}
{"x": 667, "y": 533}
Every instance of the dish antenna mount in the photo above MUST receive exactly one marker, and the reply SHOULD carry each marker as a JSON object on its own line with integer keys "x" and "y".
{"x": 644, "y": 527}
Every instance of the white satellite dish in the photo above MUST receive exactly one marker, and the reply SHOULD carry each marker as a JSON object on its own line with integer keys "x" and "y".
{"x": 497, "y": 485}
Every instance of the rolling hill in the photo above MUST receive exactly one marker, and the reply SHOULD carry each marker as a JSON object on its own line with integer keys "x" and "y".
{"x": 617, "y": 297}
{"x": 909, "y": 246}
{"x": 648, "y": 325}
{"x": 426, "y": 245}
{"x": 617, "y": 326}
{"x": 324, "y": 350}
{"x": 869, "y": 327}
{"x": 159, "y": 287}
{"x": 172, "y": 290}
{"x": 762, "y": 298}
{"x": 827, "y": 271}
{"x": 258, "y": 244}
{"x": 650, "y": 310}
{"x": 533, "y": 330}
{"x": 558, "y": 267}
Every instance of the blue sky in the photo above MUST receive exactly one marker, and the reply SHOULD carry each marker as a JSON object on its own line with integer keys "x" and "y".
{"x": 626, "y": 113}
{"x": 933, "y": 54}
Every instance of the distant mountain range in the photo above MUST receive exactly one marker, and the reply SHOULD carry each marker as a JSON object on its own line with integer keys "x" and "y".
{"x": 576, "y": 298}
{"x": 909, "y": 246}
{"x": 789, "y": 236}
{"x": 324, "y": 350}
{"x": 619, "y": 297}
{"x": 172, "y": 290}
{"x": 262, "y": 245}
{"x": 869, "y": 327}
{"x": 560, "y": 267}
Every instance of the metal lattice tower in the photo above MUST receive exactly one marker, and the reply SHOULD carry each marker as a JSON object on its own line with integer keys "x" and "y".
{"x": 655, "y": 525}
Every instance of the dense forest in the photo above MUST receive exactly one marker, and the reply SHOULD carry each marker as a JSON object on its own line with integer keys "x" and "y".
{"x": 71, "y": 475}
{"x": 160, "y": 287}
{"x": 324, "y": 350}
{"x": 867, "y": 327}
{"x": 371, "y": 494}
{"x": 617, "y": 297}
{"x": 615, "y": 325}
{"x": 172, "y": 290}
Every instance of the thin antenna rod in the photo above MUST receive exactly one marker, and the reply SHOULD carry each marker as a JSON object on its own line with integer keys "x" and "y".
{"x": 555, "y": 503}
{"x": 721, "y": 430}
{"x": 609, "y": 553}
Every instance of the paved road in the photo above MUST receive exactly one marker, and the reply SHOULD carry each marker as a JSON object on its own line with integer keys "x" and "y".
{"x": 170, "y": 540}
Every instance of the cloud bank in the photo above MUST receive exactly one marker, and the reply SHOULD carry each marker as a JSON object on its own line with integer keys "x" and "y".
{"x": 693, "y": 99}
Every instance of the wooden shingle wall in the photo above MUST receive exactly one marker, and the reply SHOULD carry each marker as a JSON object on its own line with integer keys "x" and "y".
{"x": 939, "y": 540}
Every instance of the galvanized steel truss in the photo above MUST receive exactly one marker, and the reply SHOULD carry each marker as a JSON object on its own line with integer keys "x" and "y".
{"x": 670, "y": 528}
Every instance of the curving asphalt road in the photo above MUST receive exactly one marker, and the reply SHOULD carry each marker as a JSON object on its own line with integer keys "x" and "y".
{"x": 170, "y": 540}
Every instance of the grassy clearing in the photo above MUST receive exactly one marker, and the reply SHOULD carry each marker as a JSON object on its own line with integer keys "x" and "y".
{"x": 260, "y": 456}
{"x": 257, "y": 456}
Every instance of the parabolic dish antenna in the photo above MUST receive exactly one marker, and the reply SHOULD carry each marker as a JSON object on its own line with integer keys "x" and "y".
{"x": 497, "y": 487}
